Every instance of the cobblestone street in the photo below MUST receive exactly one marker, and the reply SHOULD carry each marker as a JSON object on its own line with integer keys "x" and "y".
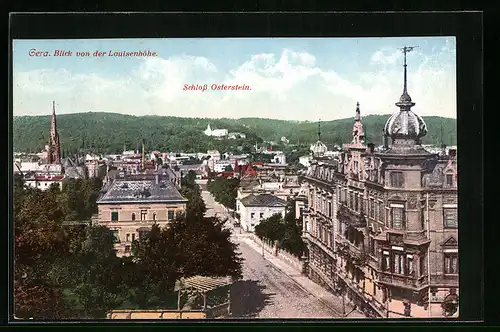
{"x": 271, "y": 288}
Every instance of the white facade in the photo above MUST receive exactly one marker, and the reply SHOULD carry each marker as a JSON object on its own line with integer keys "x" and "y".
{"x": 252, "y": 215}
{"x": 236, "y": 135}
{"x": 279, "y": 158}
{"x": 215, "y": 132}
{"x": 44, "y": 183}
{"x": 305, "y": 161}
{"x": 221, "y": 165}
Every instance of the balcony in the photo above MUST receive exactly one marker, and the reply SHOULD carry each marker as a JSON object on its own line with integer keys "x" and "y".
{"x": 351, "y": 217}
{"x": 402, "y": 280}
{"x": 447, "y": 280}
{"x": 308, "y": 236}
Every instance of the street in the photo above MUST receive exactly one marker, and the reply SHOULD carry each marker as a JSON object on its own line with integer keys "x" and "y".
{"x": 265, "y": 291}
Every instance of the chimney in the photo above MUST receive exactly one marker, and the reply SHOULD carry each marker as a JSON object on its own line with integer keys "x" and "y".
{"x": 370, "y": 148}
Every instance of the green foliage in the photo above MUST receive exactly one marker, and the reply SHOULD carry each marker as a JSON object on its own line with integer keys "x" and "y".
{"x": 107, "y": 132}
{"x": 224, "y": 190}
{"x": 287, "y": 232}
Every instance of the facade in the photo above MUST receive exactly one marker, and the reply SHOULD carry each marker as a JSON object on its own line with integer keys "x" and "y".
{"x": 236, "y": 136}
{"x": 382, "y": 226}
{"x": 131, "y": 206}
{"x": 254, "y": 208}
{"x": 215, "y": 132}
{"x": 44, "y": 182}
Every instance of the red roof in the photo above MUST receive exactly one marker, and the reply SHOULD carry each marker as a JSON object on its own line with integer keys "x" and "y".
{"x": 49, "y": 178}
{"x": 257, "y": 163}
{"x": 226, "y": 173}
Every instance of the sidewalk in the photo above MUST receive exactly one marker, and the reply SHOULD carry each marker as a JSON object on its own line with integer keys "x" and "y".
{"x": 334, "y": 302}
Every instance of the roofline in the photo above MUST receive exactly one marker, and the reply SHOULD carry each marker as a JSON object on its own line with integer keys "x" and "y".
{"x": 143, "y": 201}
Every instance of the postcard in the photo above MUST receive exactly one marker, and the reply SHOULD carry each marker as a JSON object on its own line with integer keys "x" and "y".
{"x": 235, "y": 178}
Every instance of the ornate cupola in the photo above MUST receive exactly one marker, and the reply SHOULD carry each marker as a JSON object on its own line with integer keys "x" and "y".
{"x": 404, "y": 127}
{"x": 319, "y": 149}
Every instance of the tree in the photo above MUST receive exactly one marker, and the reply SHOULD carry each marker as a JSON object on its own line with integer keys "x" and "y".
{"x": 204, "y": 248}
{"x": 228, "y": 168}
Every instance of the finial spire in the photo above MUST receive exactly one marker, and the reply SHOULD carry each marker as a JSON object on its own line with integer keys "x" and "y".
{"x": 357, "y": 117}
{"x": 405, "y": 101}
{"x": 319, "y": 130}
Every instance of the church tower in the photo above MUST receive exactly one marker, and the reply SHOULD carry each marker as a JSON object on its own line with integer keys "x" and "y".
{"x": 54, "y": 145}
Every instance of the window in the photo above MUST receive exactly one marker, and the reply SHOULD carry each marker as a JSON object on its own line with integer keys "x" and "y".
{"x": 397, "y": 179}
{"x": 381, "y": 212}
{"x": 374, "y": 289}
{"x": 423, "y": 265}
{"x": 385, "y": 262}
{"x": 261, "y": 215}
{"x": 127, "y": 249}
{"x": 450, "y": 263}
{"x": 154, "y": 215}
{"x": 144, "y": 214}
{"x": 372, "y": 246}
{"x": 449, "y": 179}
{"x": 116, "y": 236}
{"x": 133, "y": 216}
{"x": 422, "y": 218}
{"x": 397, "y": 217}
{"x": 372, "y": 208}
{"x": 356, "y": 202}
{"x": 351, "y": 200}
{"x": 252, "y": 215}
{"x": 170, "y": 214}
{"x": 450, "y": 218}
{"x": 114, "y": 216}
{"x": 409, "y": 265}
{"x": 330, "y": 212}
{"x": 331, "y": 240}
{"x": 398, "y": 265}
{"x": 133, "y": 237}
{"x": 127, "y": 238}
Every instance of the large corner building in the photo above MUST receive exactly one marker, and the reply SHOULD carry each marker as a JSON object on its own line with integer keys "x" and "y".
{"x": 382, "y": 224}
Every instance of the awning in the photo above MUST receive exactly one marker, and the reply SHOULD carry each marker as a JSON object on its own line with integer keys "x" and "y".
{"x": 202, "y": 283}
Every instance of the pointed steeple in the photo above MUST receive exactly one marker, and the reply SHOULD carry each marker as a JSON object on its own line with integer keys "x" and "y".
{"x": 54, "y": 145}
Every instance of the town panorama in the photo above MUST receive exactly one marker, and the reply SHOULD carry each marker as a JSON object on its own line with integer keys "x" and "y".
{"x": 250, "y": 228}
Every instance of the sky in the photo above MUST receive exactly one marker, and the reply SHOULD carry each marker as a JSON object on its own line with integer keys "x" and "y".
{"x": 290, "y": 78}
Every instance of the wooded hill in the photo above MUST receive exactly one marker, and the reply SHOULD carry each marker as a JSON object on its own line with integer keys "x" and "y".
{"x": 110, "y": 132}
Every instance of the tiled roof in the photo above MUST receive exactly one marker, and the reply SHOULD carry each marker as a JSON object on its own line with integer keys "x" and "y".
{"x": 262, "y": 200}
{"x": 49, "y": 178}
{"x": 127, "y": 191}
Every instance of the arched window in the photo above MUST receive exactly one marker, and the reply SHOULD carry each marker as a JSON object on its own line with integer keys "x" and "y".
{"x": 133, "y": 216}
{"x": 154, "y": 216}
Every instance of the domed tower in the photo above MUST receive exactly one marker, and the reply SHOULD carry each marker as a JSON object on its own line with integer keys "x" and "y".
{"x": 319, "y": 148}
{"x": 405, "y": 128}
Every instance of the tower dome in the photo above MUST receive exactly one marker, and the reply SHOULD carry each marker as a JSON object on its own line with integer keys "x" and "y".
{"x": 405, "y": 124}
{"x": 319, "y": 148}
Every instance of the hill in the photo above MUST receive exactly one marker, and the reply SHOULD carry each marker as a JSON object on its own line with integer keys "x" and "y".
{"x": 111, "y": 132}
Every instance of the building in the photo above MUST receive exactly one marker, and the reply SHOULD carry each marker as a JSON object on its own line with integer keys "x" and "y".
{"x": 43, "y": 182}
{"x": 279, "y": 158}
{"x": 215, "y": 132}
{"x": 254, "y": 208}
{"x": 130, "y": 206}
{"x": 236, "y": 136}
{"x": 54, "y": 152}
{"x": 382, "y": 225}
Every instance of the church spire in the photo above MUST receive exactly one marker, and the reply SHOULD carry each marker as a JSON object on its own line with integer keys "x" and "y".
{"x": 54, "y": 146}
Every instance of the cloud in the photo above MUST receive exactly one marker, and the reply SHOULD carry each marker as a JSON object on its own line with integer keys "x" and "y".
{"x": 287, "y": 85}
